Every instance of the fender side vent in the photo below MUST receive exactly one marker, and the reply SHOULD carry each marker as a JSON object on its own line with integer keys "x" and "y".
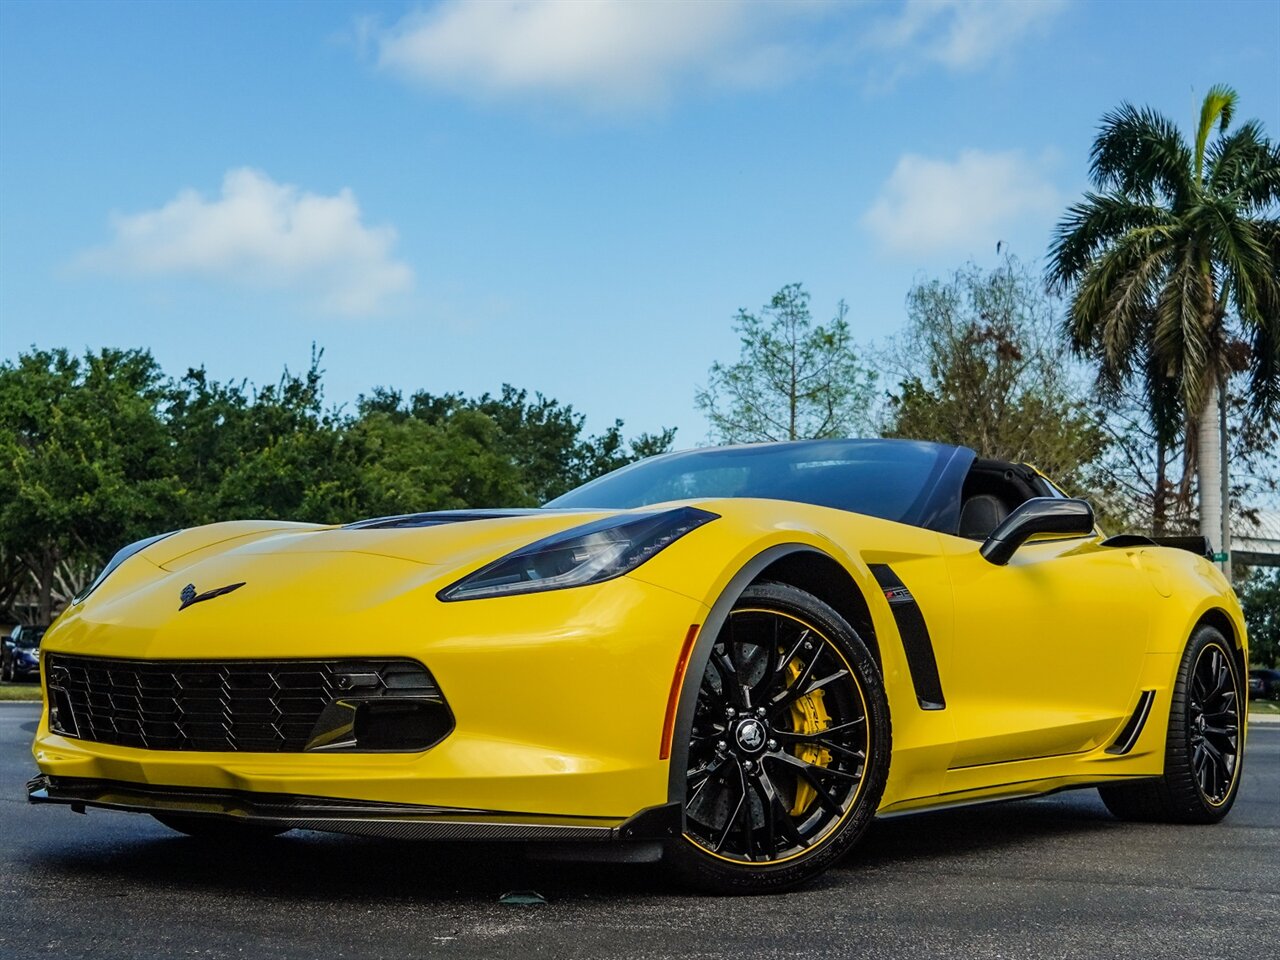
{"x": 916, "y": 643}
{"x": 1133, "y": 728}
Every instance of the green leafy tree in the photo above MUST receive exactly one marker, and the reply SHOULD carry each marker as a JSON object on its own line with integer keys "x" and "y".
{"x": 792, "y": 381}
{"x": 542, "y": 439}
{"x": 982, "y": 364}
{"x": 1260, "y": 599}
{"x": 85, "y": 463}
{"x": 1173, "y": 259}
{"x": 273, "y": 452}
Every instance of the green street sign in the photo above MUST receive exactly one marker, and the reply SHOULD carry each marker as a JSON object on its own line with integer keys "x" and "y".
{"x": 1220, "y": 558}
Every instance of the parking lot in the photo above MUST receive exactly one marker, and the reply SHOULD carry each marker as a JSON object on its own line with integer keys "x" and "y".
{"x": 1055, "y": 877}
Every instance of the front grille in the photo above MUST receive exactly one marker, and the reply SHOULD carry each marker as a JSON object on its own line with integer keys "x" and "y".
{"x": 265, "y": 706}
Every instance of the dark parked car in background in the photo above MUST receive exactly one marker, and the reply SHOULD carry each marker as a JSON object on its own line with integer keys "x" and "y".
{"x": 20, "y": 654}
{"x": 1264, "y": 684}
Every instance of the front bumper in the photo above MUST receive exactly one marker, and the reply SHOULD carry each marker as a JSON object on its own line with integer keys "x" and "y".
{"x": 399, "y": 820}
{"x": 559, "y": 700}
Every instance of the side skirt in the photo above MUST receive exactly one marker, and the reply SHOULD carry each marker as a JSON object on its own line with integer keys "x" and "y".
{"x": 365, "y": 818}
{"x": 967, "y": 799}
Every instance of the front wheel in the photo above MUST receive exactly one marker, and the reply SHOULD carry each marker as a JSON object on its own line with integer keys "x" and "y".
{"x": 789, "y": 747}
{"x": 1202, "y": 752}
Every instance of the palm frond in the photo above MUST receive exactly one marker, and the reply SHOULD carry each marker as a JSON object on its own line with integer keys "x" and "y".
{"x": 1114, "y": 297}
{"x": 1141, "y": 153}
{"x": 1092, "y": 225}
{"x": 1262, "y": 328}
{"x": 1182, "y": 331}
{"x": 1231, "y": 159}
{"x": 1241, "y": 254}
{"x": 1218, "y": 107}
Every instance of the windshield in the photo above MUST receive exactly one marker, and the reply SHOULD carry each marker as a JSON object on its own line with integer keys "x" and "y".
{"x": 29, "y": 637}
{"x": 883, "y": 478}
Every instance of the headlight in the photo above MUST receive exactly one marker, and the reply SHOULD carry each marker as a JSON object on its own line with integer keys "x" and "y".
{"x": 123, "y": 554}
{"x": 593, "y": 552}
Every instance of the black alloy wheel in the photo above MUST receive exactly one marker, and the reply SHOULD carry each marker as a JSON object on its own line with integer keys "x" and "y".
{"x": 1215, "y": 724}
{"x": 1203, "y": 747}
{"x": 789, "y": 746}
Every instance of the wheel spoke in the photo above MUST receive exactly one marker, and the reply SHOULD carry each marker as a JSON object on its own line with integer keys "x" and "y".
{"x": 792, "y": 736}
{"x": 788, "y": 695}
{"x": 728, "y": 824}
{"x": 781, "y": 816}
{"x": 795, "y": 651}
{"x": 728, "y": 677}
{"x": 807, "y": 768}
{"x": 706, "y": 774}
{"x": 748, "y": 832}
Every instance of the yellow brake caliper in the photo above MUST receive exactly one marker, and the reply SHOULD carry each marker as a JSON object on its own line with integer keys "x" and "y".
{"x": 808, "y": 715}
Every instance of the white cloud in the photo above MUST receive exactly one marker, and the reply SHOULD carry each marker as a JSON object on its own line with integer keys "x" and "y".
{"x": 609, "y": 54}
{"x": 930, "y": 205}
{"x": 604, "y": 53}
{"x": 261, "y": 233}
{"x": 962, "y": 34}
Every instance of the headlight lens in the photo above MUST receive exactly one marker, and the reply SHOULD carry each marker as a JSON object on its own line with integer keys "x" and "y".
{"x": 593, "y": 552}
{"x": 123, "y": 554}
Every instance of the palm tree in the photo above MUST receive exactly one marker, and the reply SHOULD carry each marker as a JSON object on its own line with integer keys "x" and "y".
{"x": 1175, "y": 257}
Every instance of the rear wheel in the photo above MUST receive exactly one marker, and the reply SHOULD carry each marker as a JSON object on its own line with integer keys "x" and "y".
{"x": 232, "y": 829}
{"x": 1202, "y": 752}
{"x": 789, "y": 748}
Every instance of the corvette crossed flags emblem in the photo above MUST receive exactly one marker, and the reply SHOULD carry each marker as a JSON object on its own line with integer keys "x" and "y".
{"x": 189, "y": 595}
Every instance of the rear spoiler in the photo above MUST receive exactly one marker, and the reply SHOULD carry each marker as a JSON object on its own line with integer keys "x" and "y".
{"x": 1197, "y": 545}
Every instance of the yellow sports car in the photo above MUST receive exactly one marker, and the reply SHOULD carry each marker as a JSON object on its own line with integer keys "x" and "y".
{"x": 730, "y": 659}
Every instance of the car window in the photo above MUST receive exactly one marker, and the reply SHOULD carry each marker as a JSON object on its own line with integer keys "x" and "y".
{"x": 882, "y": 478}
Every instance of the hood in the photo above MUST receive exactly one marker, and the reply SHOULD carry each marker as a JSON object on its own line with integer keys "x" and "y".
{"x": 288, "y": 582}
{"x": 452, "y": 539}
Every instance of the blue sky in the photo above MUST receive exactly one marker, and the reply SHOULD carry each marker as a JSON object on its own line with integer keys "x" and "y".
{"x": 571, "y": 197}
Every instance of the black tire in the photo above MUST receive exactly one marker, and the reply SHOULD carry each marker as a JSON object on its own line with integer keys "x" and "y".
{"x": 221, "y": 829}
{"x": 819, "y": 770}
{"x": 1202, "y": 754}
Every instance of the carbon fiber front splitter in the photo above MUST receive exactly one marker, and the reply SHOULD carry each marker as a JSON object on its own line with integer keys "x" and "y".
{"x": 336, "y": 815}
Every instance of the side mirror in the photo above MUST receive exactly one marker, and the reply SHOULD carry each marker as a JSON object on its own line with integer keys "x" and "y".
{"x": 1041, "y": 515}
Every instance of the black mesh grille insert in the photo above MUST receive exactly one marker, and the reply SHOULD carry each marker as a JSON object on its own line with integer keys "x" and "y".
{"x": 264, "y": 706}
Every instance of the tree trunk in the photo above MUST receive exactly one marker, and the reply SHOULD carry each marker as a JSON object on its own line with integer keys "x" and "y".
{"x": 1159, "y": 506}
{"x": 45, "y": 587}
{"x": 1209, "y": 468}
{"x": 1226, "y": 486}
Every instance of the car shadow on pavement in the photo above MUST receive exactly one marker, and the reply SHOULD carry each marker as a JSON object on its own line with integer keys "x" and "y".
{"x": 303, "y": 866}
{"x": 987, "y": 828}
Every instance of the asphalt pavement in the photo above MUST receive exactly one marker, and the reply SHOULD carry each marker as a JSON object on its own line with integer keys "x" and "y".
{"x": 1053, "y": 877}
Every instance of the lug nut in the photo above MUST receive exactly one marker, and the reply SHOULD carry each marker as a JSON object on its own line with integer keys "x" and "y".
{"x": 722, "y": 746}
{"x": 761, "y": 711}
{"x": 773, "y": 744}
{"x": 748, "y": 766}
{"x": 730, "y": 712}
